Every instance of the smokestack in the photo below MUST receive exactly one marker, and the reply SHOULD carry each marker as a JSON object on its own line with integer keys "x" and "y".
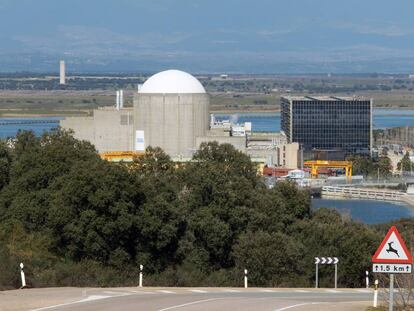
{"x": 117, "y": 100}
{"x": 121, "y": 99}
{"x": 62, "y": 73}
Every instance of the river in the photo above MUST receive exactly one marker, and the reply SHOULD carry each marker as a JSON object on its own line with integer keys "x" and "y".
{"x": 367, "y": 211}
{"x": 270, "y": 122}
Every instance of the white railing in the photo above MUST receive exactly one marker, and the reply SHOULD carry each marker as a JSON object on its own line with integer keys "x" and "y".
{"x": 373, "y": 194}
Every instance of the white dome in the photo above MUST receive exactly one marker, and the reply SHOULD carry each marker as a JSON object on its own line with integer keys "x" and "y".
{"x": 172, "y": 82}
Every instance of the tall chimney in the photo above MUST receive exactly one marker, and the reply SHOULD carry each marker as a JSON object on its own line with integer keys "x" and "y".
{"x": 121, "y": 99}
{"x": 118, "y": 100}
{"x": 62, "y": 73}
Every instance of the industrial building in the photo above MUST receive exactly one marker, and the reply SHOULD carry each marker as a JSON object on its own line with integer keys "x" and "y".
{"x": 337, "y": 124}
{"x": 171, "y": 110}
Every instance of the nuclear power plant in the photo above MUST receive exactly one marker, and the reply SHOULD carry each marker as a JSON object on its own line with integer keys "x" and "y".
{"x": 171, "y": 110}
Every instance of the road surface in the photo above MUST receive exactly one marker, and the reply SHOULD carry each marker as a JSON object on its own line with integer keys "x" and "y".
{"x": 185, "y": 299}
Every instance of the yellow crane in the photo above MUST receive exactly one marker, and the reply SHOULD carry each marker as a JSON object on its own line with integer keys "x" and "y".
{"x": 315, "y": 165}
{"x": 117, "y": 156}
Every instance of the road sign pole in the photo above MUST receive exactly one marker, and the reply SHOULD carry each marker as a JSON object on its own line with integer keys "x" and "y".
{"x": 316, "y": 277}
{"x": 390, "y": 306}
{"x": 336, "y": 276}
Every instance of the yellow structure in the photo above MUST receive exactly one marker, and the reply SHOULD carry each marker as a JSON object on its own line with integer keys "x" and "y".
{"x": 315, "y": 165}
{"x": 118, "y": 156}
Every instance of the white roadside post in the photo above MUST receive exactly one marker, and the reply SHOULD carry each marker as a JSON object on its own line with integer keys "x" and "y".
{"x": 367, "y": 279}
{"x": 141, "y": 267}
{"x": 22, "y": 275}
{"x": 245, "y": 278}
{"x": 375, "y": 304}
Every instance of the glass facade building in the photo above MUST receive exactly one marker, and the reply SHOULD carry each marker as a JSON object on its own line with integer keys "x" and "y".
{"x": 328, "y": 123}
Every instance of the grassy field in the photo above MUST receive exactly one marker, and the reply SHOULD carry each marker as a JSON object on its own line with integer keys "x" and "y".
{"x": 271, "y": 102}
{"x": 43, "y": 103}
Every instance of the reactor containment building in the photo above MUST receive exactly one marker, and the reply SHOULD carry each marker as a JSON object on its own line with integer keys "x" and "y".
{"x": 170, "y": 110}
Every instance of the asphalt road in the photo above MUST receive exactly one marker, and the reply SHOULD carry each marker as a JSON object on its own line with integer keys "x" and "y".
{"x": 184, "y": 299}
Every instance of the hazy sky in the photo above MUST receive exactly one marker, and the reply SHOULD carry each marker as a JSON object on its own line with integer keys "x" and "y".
{"x": 208, "y": 35}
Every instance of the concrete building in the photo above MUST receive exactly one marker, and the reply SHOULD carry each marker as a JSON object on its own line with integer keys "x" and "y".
{"x": 171, "y": 110}
{"x": 62, "y": 73}
{"x": 109, "y": 129}
{"x": 328, "y": 123}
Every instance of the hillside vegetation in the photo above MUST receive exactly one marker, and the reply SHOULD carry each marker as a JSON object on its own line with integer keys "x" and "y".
{"x": 77, "y": 220}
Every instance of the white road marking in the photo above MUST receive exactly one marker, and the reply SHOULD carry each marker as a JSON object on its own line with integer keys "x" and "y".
{"x": 165, "y": 291}
{"x": 141, "y": 292}
{"x": 231, "y": 291}
{"x": 198, "y": 291}
{"x": 189, "y": 304}
{"x": 89, "y": 298}
{"x": 363, "y": 290}
{"x": 302, "y": 291}
{"x": 300, "y": 305}
{"x": 332, "y": 291}
{"x": 268, "y": 291}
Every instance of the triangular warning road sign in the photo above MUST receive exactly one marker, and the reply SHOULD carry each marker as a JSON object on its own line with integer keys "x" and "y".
{"x": 392, "y": 249}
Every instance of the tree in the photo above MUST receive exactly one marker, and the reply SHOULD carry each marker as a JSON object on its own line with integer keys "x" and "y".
{"x": 5, "y": 164}
{"x": 362, "y": 165}
{"x": 384, "y": 167}
{"x": 272, "y": 259}
{"x": 37, "y": 163}
{"x": 405, "y": 165}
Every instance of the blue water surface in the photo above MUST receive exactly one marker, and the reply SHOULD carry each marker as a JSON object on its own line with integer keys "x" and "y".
{"x": 261, "y": 122}
{"x": 367, "y": 211}
{"x": 10, "y": 130}
{"x": 270, "y": 121}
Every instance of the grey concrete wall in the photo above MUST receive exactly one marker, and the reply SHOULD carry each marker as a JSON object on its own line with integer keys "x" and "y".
{"x": 83, "y": 127}
{"x": 108, "y": 130}
{"x": 110, "y": 133}
{"x": 172, "y": 121}
{"x": 238, "y": 142}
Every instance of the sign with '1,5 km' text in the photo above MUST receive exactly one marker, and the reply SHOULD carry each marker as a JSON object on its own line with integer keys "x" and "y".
{"x": 392, "y": 256}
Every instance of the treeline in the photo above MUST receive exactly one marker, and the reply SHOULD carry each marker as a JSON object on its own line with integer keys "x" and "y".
{"x": 77, "y": 220}
{"x": 72, "y": 84}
